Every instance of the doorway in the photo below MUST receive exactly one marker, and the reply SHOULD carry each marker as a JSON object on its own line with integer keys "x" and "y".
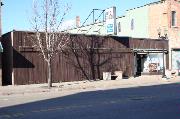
{"x": 140, "y": 59}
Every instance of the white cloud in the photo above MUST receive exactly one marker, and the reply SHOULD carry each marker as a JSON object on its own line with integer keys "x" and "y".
{"x": 68, "y": 24}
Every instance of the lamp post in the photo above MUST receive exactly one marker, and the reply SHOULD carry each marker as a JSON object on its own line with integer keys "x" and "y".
{"x": 163, "y": 75}
{"x": 163, "y": 38}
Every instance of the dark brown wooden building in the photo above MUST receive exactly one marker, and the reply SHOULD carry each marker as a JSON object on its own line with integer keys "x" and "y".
{"x": 21, "y": 64}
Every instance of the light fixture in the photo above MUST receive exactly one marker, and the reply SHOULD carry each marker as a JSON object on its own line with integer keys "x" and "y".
{"x": 165, "y": 33}
{"x": 159, "y": 32}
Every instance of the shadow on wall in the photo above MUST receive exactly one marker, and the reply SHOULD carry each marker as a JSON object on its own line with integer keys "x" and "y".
{"x": 123, "y": 40}
{"x": 13, "y": 60}
{"x": 19, "y": 61}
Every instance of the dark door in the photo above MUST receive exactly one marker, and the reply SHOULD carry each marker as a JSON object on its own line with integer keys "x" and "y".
{"x": 139, "y": 69}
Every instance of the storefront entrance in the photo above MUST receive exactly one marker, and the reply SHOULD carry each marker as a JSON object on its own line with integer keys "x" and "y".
{"x": 149, "y": 62}
{"x": 140, "y": 59}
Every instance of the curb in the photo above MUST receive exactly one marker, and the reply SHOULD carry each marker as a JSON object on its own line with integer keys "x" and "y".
{"x": 83, "y": 86}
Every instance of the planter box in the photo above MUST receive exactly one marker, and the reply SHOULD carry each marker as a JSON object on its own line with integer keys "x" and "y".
{"x": 106, "y": 75}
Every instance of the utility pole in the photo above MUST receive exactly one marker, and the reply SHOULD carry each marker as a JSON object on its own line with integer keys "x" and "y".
{"x": 1, "y": 4}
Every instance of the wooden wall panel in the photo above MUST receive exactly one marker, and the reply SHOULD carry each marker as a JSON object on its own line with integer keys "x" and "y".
{"x": 29, "y": 66}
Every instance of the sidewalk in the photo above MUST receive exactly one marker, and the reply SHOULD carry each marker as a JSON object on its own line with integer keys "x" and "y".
{"x": 88, "y": 85}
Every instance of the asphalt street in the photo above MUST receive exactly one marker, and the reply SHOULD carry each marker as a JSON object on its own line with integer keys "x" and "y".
{"x": 150, "y": 102}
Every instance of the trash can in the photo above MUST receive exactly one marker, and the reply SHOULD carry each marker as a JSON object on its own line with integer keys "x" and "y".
{"x": 118, "y": 74}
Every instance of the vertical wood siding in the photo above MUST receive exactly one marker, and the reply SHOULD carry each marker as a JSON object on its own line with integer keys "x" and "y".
{"x": 29, "y": 66}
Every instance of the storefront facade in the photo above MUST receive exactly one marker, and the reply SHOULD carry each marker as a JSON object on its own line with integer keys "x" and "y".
{"x": 131, "y": 56}
{"x": 150, "y": 61}
{"x": 154, "y": 20}
{"x": 175, "y": 59}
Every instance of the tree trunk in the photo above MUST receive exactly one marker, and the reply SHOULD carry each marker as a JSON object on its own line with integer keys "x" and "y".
{"x": 80, "y": 66}
{"x": 49, "y": 74}
{"x": 98, "y": 65}
{"x": 92, "y": 66}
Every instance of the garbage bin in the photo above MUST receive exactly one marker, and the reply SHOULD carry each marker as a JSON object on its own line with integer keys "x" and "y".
{"x": 118, "y": 74}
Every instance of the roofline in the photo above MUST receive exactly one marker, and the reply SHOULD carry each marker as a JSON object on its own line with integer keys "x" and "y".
{"x": 131, "y": 38}
{"x": 152, "y": 3}
{"x": 17, "y": 31}
{"x": 93, "y": 23}
{"x": 117, "y": 16}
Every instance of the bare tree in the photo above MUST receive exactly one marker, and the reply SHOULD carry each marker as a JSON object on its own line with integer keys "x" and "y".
{"x": 48, "y": 16}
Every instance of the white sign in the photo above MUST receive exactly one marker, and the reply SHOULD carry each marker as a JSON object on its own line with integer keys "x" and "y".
{"x": 110, "y": 17}
{"x": 153, "y": 62}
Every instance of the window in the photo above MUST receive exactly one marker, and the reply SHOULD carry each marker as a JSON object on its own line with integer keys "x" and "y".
{"x": 132, "y": 24}
{"x": 173, "y": 18}
{"x": 119, "y": 27}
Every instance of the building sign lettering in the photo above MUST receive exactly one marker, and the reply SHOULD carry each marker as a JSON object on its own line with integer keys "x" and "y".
{"x": 110, "y": 17}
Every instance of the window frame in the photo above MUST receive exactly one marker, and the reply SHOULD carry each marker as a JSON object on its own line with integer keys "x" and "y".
{"x": 173, "y": 18}
{"x": 132, "y": 24}
{"x": 119, "y": 26}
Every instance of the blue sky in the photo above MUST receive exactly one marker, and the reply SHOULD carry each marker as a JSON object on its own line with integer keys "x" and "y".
{"x": 15, "y": 13}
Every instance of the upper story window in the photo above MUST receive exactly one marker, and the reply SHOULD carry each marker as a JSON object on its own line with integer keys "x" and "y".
{"x": 119, "y": 27}
{"x": 173, "y": 18}
{"x": 132, "y": 24}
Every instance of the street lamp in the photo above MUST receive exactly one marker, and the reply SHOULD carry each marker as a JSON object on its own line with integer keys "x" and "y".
{"x": 163, "y": 38}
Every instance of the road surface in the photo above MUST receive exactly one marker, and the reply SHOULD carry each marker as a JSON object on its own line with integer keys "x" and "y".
{"x": 152, "y": 102}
